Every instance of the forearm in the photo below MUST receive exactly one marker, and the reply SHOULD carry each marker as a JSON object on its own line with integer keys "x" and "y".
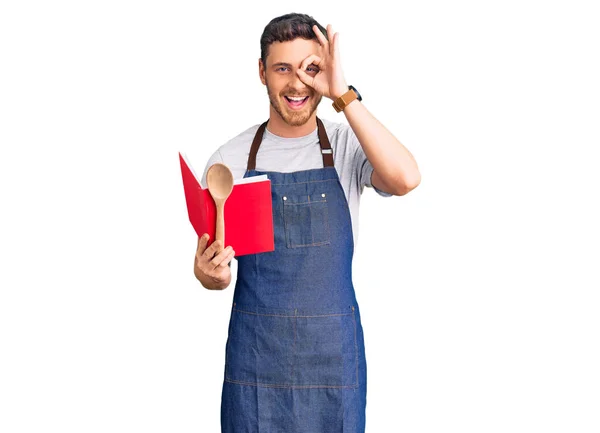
{"x": 393, "y": 162}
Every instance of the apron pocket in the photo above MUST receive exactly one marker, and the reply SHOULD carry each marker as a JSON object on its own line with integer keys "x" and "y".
{"x": 301, "y": 351}
{"x": 306, "y": 220}
{"x": 260, "y": 348}
{"x": 326, "y": 353}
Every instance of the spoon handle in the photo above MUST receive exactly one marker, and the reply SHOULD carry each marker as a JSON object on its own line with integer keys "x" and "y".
{"x": 220, "y": 224}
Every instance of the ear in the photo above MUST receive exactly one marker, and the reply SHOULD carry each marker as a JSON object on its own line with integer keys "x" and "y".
{"x": 261, "y": 72}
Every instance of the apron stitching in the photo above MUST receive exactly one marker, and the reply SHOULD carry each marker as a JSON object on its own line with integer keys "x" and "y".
{"x": 285, "y": 224}
{"x": 298, "y": 183}
{"x": 294, "y": 346}
{"x": 316, "y": 244}
{"x": 327, "y": 219}
{"x": 295, "y": 315}
{"x": 270, "y": 385}
{"x": 355, "y": 345}
{"x": 306, "y": 202}
{"x": 310, "y": 211}
{"x": 227, "y": 345}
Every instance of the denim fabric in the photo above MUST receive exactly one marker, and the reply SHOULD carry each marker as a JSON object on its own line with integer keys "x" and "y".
{"x": 295, "y": 356}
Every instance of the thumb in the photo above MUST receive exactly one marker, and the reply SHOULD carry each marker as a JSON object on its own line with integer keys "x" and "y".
{"x": 202, "y": 241}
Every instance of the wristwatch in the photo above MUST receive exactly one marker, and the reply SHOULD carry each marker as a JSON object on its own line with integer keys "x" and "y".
{"x": 340, "y": 103}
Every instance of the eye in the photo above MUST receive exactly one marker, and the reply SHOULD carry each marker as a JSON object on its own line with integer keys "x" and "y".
{"x": 281, "y": 67}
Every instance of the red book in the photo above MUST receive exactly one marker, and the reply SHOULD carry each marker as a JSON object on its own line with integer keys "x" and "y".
{"x": 248, "y": 211}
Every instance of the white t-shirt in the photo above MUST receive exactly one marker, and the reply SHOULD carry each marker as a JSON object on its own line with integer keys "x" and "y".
{"x": 303, "y": 153}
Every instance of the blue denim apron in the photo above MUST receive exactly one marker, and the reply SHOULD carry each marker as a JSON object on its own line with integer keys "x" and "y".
{"x": 295, "y": 357}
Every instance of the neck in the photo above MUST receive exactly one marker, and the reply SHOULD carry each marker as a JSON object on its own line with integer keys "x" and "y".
{"x": 276, "y": 125}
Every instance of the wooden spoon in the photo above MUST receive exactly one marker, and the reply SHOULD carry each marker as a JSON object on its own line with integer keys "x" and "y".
{"x": 219, "y": 180}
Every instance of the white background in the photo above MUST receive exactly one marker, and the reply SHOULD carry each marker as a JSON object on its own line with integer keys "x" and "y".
{"x": 479, "y": 290}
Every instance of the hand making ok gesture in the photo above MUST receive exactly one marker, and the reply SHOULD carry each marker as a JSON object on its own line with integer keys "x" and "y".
{"x": 329, "y": 81}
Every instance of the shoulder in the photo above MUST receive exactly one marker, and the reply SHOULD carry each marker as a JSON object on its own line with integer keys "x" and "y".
{"x": 341, "y": 135}
{"x": 342, "y": 138}
{"x": 234, "y": 153}
{"x": 240, "y": 143}
{"x": 332, "y": 128}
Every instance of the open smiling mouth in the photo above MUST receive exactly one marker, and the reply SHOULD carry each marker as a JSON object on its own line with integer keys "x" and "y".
{"x": 295, "y": 102}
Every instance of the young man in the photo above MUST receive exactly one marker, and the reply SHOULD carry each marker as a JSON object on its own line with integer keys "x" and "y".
{"x": 295, "y": 359}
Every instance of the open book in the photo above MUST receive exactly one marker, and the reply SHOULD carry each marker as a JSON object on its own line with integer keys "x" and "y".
{"x": 248, "y": 211}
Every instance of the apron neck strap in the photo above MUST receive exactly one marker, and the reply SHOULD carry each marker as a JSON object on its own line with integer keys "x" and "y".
{"x": 326, "y": 149}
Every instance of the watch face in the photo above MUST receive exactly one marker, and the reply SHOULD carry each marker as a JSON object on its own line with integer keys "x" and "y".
{"x": 356, "y": 91}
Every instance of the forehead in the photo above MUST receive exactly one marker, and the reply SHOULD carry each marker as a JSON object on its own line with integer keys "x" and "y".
{"x": 292, "y": 52}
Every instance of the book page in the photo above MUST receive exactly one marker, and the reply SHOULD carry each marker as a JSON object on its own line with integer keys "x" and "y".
{"x": 235, "y": 181}
{"x": 250, "y": 179}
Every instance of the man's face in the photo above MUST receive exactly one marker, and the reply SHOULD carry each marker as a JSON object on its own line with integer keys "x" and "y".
{"x": 282, "y": 81}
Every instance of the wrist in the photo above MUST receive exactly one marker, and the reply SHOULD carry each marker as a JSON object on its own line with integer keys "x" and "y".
{"x": 336, "y": 94}
{"x": 346, "y": 98}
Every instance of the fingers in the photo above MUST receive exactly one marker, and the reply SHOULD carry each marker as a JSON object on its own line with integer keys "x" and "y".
{"x": 203, "y": 251}
{"x": 202, "y": 241}
{"x": 229, "y": 258}
{"x": 333, "y": 38}
{"x": 331, "y": 42}
{"x": 329, "y": 32}
{"x": 223, "y": 257}
{"x": 313, "y": 58}
{"x": 214, "y": 248}
{"x": 327, "y": 43}
{"x": 306, "y": 79}
{"x": 320, "y": 36}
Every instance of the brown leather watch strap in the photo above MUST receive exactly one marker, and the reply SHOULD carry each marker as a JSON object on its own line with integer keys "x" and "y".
{"x": 342, "y": 102}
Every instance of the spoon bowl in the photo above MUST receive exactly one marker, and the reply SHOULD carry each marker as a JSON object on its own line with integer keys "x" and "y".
{"x": 219, "y": 180}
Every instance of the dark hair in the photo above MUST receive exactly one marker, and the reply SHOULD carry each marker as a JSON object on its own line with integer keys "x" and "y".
{"x": 287, "y": 28}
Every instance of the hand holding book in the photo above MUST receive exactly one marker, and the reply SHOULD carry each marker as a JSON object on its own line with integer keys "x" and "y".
{"x": 211, "y": 264}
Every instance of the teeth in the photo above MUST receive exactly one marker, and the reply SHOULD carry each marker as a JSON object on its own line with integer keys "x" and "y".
{"x": 296, "y": 98}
